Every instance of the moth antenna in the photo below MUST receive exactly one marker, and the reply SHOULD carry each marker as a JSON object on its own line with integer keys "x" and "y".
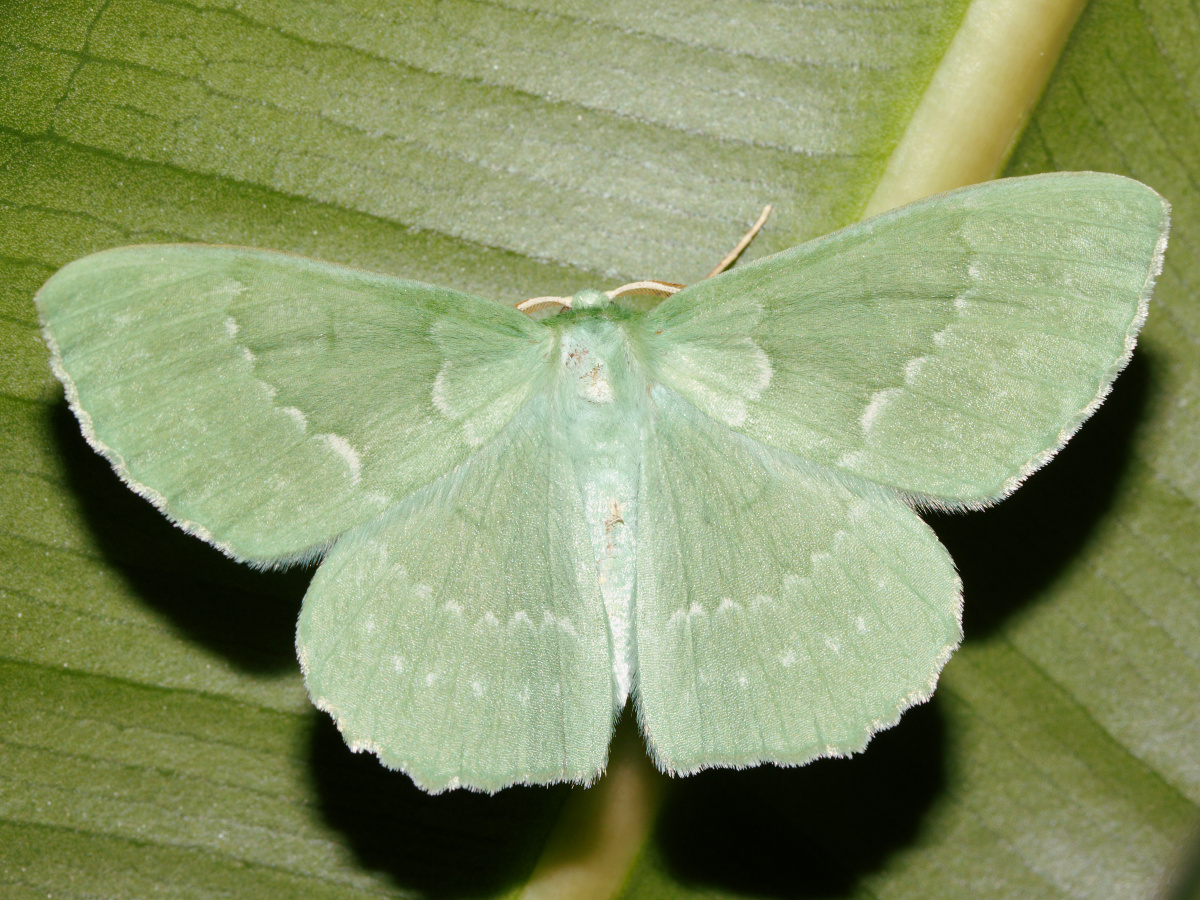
{"x": 732, "y": 255}
{"x": 534, "y": 304}
{"x": 650, "y": 287}
{"x": 645, "y": 288}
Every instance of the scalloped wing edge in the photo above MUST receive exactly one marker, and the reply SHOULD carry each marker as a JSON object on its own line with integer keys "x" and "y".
{"x": 927, "y": 502}
{"x": 156, "y": 498}
{"x": 436, "y": 786}
{"x": 915, "y": 697}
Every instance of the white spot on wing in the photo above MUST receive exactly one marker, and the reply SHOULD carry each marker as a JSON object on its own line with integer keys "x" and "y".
{"x": 475, "y": 426}
{"x": 230, "y": 289}
{"x": 913, "y": 368}
{"x": 297, "y": 416}
{"x": 439, "y": 393}
{"x": 686, "y": 615}
{"x": 564, "y": 624}
{"x": 878, "y": 401}
{"x": 763, "y": 364}
{"x": 343, "y": 448}
{"x": 851, "y": 459}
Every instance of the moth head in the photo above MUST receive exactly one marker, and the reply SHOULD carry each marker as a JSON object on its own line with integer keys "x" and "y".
{"x": 589, "y": 298}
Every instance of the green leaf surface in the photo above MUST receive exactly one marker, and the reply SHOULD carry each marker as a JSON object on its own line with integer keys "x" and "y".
{"x": 157, "y": 739}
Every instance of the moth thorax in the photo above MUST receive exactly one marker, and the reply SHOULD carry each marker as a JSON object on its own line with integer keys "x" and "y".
{"x": 586, "y": 366}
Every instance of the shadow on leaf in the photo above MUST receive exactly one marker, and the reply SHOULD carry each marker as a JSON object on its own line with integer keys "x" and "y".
{"x": 1009, "y": 554}
{"x": 812, "y": 831}
{"x": 456, "y": 844}
{"x": 249, "y": 617}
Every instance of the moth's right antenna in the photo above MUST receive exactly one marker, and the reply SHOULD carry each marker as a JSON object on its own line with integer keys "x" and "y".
{"x": 732, "y": 255}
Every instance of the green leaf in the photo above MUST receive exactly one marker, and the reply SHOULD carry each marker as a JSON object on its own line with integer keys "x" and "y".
{"x": 157, "y": 738}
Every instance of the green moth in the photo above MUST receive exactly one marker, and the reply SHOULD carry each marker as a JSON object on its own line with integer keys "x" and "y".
{"x": 707, "y": 506}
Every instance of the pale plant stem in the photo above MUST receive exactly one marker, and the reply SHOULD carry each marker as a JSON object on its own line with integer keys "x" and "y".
{"x": 978, "y": 100}
{"x": 601, "y": 829}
